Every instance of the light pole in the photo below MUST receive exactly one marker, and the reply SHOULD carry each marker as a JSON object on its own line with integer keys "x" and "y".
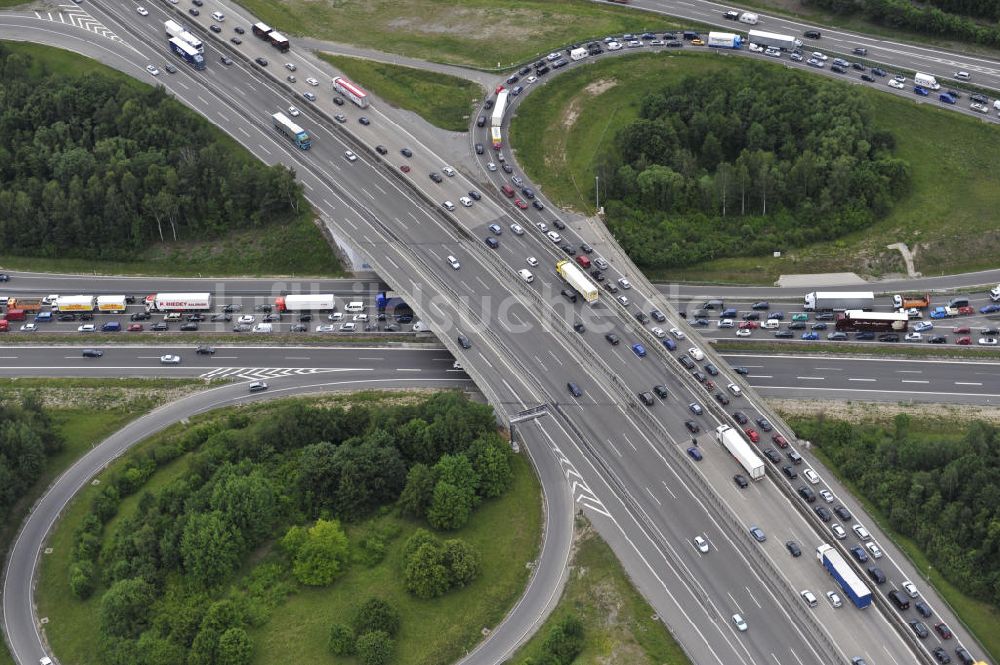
{"x": 597, "y": 193}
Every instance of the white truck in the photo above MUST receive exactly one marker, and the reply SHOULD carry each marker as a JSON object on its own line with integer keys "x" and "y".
{"x": 578, "y": 280}
{"x": 322, "y": 302}
{"x": 995, "y": 294}
{"x": 499, "y": 108}
{"x": 838, "y": 301}
{"x": 926, "y": 81}
{"x": 749, "y": 18}
{"x": 761, "y": 38}
{"x": 111, "y": 304}
{"x": 724, "y": 40}
{"x": 578, "y": 54}
{"x": 74, "y": 304}
{"x": 178, "y": 302}
{"x": 741, "y": 450}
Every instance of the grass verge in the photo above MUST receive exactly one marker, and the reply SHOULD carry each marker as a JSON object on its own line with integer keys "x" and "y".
{"x": 476, "y": 33}
{"x": 980, "y": 618}
{"x": 949, "y": 206}
{"x": 444, "y": 101}
{"x": 619, "y": 627}
{"x": 506, "y": 531}
{"x": 928, "y": 351}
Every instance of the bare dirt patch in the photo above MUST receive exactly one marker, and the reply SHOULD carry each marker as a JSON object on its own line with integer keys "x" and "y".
{"x": 884, "y": 412}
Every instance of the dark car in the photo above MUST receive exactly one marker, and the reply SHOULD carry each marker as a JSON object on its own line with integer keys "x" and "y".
{"x": 492, "y": 242}
{"x": 823, "y": 513}
{"x": 87, "y": 316}
{"x": 864, "y": 335}
{"x": 964, "y": 656}
{"x": 818, "y": 326}
{"x": 205, "y": 350}
{"x": 868, "y": 77}
{"x": 795, "y": 458}
{"x": 764, "y": 424}
{"x": 574, "y": 389}
{"x": 943, "y": 631}
{"x": 695, "y": 453}
{"x": 859, "y": 553}
{"x": 159, "y": 327}
{"x": 261, "y": 61}
{"x": 464, "y": 342}
{"x": 711, "y": 369}
{"x": 740, "y": 418}
{"x": 941, "y": 655}
{"x": 189, "y": 327}
{"x": 890, "y": 337}
{"x": 763, "y": 304}
{"x": 797, "y": 325}
{"x": 685, "y": 361}
{"x": 837, "y": 69}
{"x": 661, "y": 391}
{"x": 789, "y": 472}
{"x": 806, "y": 493}
{"x": 751, "y": 316}
{"x": 406, "y": 152}
{"x": 194, "y": 12}
{"x": 842, "y": 513}
{"x": 641, "y": 317}
{"x": 923, "y": 609}
{"x": 222, "y": 317}
{"x": 692, "y": 426}
{"x": 647, "y": 398}
{"x": 740, "y": 481}
{"x": 68, "y": 316}
{"x": 920, "y": 628}
{"x": 216, "y": 29}
{"x": 784, "y": 334}
{"x": 238, "y": 30}
{"x": 569, "y": 295}
{"x": 579, "y": 327}
{"x": 436, "y": 177}
{"x": 772, "y": 454}
{"x": 812, "y": 34}
{"x": 474, "y": 195}
{"x": 657, "y": 315}
{"x": 878, "y": 71}
{"x": 480, "y": 149}
{"x": 612, "y": 339}
{"x": 898, "y": 599}
{"x": 793, "y": 548}
{"x": 722, "y": 399}
{"x": 92, "y": 353}
{"x": 876, "y": 574}
{"x": 537, "y": 205}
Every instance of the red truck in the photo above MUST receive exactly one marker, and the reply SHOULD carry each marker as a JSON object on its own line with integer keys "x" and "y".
{"x": 14, "y": 315}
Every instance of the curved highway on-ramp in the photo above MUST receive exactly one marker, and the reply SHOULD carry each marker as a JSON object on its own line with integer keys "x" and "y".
{"x": 22, "y": 627}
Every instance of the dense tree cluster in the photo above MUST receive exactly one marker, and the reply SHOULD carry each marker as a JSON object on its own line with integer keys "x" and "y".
{"x": 942, "y": 494}
{"x": 370, "y": 635}
{"x": 746, "y": 161}
{"x": 165, "y": 568}
{"x": 27, "y": 437}
{"x": 98, "y": 167}
{"x": 431, "y": 567}
{"x": 948, "y": 18}
{"x": 563, "y": 643}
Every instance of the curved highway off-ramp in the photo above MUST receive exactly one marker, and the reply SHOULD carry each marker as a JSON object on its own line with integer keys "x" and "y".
{"x": 22, "y": 627}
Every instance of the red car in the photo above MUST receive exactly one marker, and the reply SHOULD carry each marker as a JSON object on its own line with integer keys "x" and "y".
{"x": 943, "y": 631}
{"x": 964, "y": 341}
{"x": 752, "y": 433}
{"x": 966, "y": 311}
{"x": 961, "y": 330}
{"x": 135, "y": 327}
{"x": 520, "y": 204}
{"x": 749, "y": 325}
{"x": 780, "y": 440}
{"x": 404, "y": 168}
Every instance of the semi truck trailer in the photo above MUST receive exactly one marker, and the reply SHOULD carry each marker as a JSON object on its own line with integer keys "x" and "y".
{"x": 840, "y": 570}
{"x": 854, "y": 320}
{"x": 838, "y": 301}
{"x": 578, "y": 280}
{"x": 324, "y": 302}
{"x": 724, "y": 40}
{"x": 741, "y": 450}
{"x": 785, "y": 42}
{"x": 178, "y": 302}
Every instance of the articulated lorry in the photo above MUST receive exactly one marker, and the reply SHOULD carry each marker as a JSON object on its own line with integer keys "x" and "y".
{"x": 840, "y": 570}
{"x": 178, "y": 302}
{"x": 838, "y": 301}
{"x": 299, "y": 136}
{"x": 854, "y": 320}
{"x": 187, "y": 52}
{"x": 323, "y": 302}
{"x": 741, "y": 450}
{"x": 499, "y": 108}
{"x": 578, "y": 279}
{"x": 761, "y": 38}
{"x": 724, "y": 40}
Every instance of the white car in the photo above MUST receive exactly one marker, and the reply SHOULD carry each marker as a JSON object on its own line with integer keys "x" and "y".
{"x": 676, "y": 332}
{"x": 29, "y": 327}
{"x": 530, "y": 80}
{"x": 542, "y": 226}
{"x": 170, "y": 359}
{"x": 288, "y": 65}
{"x": 899, "y": 85}
{"x": 351, "y": 157}
{"x": 336, "y": 316}
{"x": 448, "y": 171}
{"x": 517, "y": 229}
{"x": 810, "y": 475}
{"x": 988, "y": 341}
{"x": 348, "y": 327}
{"x": 466, "y": 201}
{"x": 963, "y": 76}
{"x": 809, "y": 597}
{"x": 87, "y": 327}
{"x": 532, "y": 261}
{"x": 743, "y": 332}
{"x": 360, "y": 317}
{"x": 696, "y": 353}
{"x": 554, "y": 237}
{"x": 623, "y": 300}
{"x": 754, "y": 48}
{"x": 142, "y": 11}
{"x": 152, "y": 70}
{"x": 827, "y": 496}
{"x": 838, "y": 532}
{"x": 701, "y": 544}
{"x": 614, "y": 46}
{"x": 453, "y": 262}
{"x": 624, "y": 283}
{"x": 659, "y": 332}
{"x": 727, "y": 323}
{"x": 312, "y": 81}
{"x": 735, "y": 389}
{"x": 246, "y": 318}
{"x": 910, "y": 588}
{"x": 293, "y": 111}
{"x": 491, "y": 166}
{"x": 740, "y": 624}
{"x": 834, "y": 599}
{"x": 861, "y": 532}
{"x": 325, "y": 328}
{"x": 875, "y": 550}
{"x": 913, "y": 337}
{"x": 773, "y": 52}
{"x": 448, "y": 205}
{"x": 819, "y": 56}
{"x": 526, "y": 275}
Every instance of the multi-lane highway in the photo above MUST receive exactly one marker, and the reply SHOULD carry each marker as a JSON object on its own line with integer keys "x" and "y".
{"x": 644, "y": 495}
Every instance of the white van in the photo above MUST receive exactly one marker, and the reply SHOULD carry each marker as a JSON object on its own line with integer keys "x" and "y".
{"x": 771, "y": 324}
{"x": 927, "y": 81}
{"x": 355, "y": 306}
{"x": 420, "y": 326}
{"x": 263, "y": 328}
{"x": 749, "y": 18}
{"x": 218, "y": 16}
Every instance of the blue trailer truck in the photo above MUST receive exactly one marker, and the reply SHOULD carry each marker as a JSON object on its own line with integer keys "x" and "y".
{"x": 188, "y": 52}
{"x": 848, "y": 580}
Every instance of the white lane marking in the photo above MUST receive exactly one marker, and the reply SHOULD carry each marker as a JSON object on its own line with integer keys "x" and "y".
{"x": 750, "y": 593}
{"x": 408, "y": 369}
{"x": 653, "y": 497}
{"x": 667, "y": 487}
{"x": 830, "y": 369}
{"x": 762, "y": 376}
{"x": 544, "y": 369}
{"x": 811, "y": 378}
{"x": 861, "y": 379}
{"x": 615, "y": 448}
{"x": 380, "y": 358}
{"x": 909, "y": 371}
{"x": 913, "y": 381}
{"x": 296, "y": 357}
{"x": 629, "y": 442}
{"x": 967, "y": 383}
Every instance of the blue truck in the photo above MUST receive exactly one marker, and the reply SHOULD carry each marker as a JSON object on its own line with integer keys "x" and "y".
{"x": 393, "y": 306}
{"x": 840, "y": 570}
{"x": 188, "y": 52}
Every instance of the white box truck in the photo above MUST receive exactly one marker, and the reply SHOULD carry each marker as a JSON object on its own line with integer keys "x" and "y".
{"x": 926, "y": 81}
{"x": 178, "y": 302}
{"x": 838, "y": 301}
{"x": 761, "y": 38}
{"x": 578, "y": 54}
{"x": 738, "y": 447}
{"x": 749, "y": 18}
{"x": 578, "y": 280}
{"x": 74, "y": 304}
{"x": 111, "y": 304}
{"x": 322, "y": 302}
{"x": 724, "y": 40}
